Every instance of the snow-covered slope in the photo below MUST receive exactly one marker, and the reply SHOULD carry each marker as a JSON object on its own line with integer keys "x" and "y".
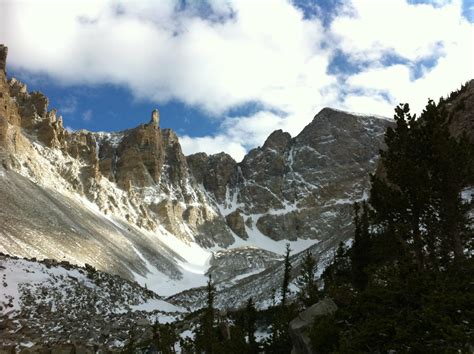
{"x": 50, "y": 302}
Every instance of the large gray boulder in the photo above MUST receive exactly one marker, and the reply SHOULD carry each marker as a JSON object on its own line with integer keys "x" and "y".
{"x": 300, "y": 326}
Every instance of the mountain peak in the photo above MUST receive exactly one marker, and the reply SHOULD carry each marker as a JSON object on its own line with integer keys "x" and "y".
{"x": 278, "y": 140}
{"x": 329, "y": 112}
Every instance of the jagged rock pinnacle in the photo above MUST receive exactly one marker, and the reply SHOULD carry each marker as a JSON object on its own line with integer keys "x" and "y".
{"x": 3, "y": 57}
{"x": 155, "y": 118}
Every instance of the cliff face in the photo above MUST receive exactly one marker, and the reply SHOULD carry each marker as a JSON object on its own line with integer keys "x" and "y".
{"x": 135, "y": 199}
{"x": 461, "y": 111}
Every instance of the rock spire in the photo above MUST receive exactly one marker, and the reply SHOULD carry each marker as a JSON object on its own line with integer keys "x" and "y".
{"x": 3, "y": 57}
{"x": 155, "y": 118}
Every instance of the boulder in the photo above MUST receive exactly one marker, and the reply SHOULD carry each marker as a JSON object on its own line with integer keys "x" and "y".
{"x": 300, "y": 326}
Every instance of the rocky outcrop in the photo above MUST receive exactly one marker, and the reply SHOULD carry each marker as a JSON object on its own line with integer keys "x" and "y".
{"x": 237, "y": 224}
{"x": 216, "y": 173}
{"x": 155, "y": 119}
{"x": 3, "y": 58}
{"x": 300, "y": 326}
{"x": 56, "y": 307}
{"x": 461, "y": 112}
{"x": 140, "y": 175}
{"x": 240, "y": 262}
{"x": 303, "y": 187}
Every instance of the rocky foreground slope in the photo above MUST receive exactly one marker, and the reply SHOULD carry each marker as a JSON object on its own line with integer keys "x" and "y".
{"x": 51, "y": 303}
{"x": 130, "y": 203}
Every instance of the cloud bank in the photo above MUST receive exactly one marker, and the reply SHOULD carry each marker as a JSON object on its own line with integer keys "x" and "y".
{"x": 218, "y": 55}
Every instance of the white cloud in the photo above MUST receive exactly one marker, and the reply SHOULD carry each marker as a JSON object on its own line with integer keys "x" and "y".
{"x": 213, "y": 145}
{"x": 87, "y": 115}
{"x": 244, "y": 51}
{"x": 68, "y": 105}
{"x": 409, "y": 30}
{"x": 413, "y": 32}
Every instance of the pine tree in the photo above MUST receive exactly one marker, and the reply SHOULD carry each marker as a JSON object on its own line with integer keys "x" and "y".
{"x": 206, "y": 332}
{"x": 250, "y": 326}
{"x": 279, "y": 340}
{"x": 338, "y": 276}
{"x": 418, "y": 200}
{"x": 452, "y": 171}
{"x": 410, "y": 243}
{"x": 339, "y": 272}
{"x": 306, "y": 281}
{"x": 360, "y": 250}
{"x": 155, "y": 329}
{"x": 285, "y": 288}
{"x": 131, "y": 345}
{"x": 405, "y": 193}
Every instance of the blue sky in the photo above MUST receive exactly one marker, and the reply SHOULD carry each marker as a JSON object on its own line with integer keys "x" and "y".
{"x": 223, "y": 73}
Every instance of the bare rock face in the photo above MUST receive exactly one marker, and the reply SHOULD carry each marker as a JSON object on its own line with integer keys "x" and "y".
{"x": 236, "y": 263}
{"x": 3, "y": 58}
{"x": 461, "y": 112}
{"x": 215, "y": 172}
{"x": 302, "y": 187}
{"x": 277, "y": 141}
{"x": 139, "y": 156}
{"x": 237, "y": 224}
{"x": 35, "y": 117}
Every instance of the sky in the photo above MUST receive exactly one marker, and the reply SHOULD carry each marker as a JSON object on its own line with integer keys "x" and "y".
{"x": 224, "y": 74}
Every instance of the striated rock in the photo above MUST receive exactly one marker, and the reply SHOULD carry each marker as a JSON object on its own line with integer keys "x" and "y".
{"x": 3, "y": 58}
{"x": 278, "y": 141}
{"x": 300, "y": 326}
{"x": 229, "y": 264}
{"x": 217, "y": 172}
{"x": 140, "y": 157}
{"x": 300, "y": 184}
{"x": 237, "y": 224}
{"x": 170, "y": 214}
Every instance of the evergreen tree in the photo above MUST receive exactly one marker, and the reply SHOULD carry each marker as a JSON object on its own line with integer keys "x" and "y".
{"x": 411, "y": 258}
{"x": 250, "y": 326}
{"x": 402, "y": 200}
{"x": 338, "y": 276}
{"x": 164, "y": 337}
{"x": 360, "y": 250}
{"x": 155, "y": 340}
{"x": 206, "y": 337}
{"x": 279, "y": 340}
{"x": 452, "y": 170}
{"x": 285, "y": 288}
{"x": 187, "y": 345}
{"x": 306, "y": 281}
{"x": 418, "y": 199}
{"x": 131, "y": 345}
